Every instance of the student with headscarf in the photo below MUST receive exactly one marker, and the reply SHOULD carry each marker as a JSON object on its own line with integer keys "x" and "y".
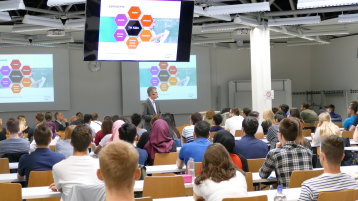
{"x": 109, "y": 137}
{"x": 159, "y": 140}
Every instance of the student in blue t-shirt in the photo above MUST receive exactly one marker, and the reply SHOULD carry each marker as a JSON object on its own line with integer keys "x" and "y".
{"x": 42, "y": 158}
{"x": 128, "y": 132}
{"x": 197, "y": 148}
{"x": 352, "y": 111}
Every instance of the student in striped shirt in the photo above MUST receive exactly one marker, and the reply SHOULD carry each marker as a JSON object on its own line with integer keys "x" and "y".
{"x": 332, "y": 179}
{"x": 187, "y": 134}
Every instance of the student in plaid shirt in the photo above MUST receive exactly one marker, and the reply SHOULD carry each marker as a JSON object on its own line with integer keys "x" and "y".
{"x": 288, "y": 156}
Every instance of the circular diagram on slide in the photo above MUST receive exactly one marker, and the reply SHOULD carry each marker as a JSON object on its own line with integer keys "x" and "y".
{"x": 15, "y": 76}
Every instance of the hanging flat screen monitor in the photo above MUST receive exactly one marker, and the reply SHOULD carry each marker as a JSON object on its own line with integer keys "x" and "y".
{"x": 138, "y": 30}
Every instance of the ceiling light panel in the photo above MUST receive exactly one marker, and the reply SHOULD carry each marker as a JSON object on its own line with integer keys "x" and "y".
{"x": 19, "y": 28}
{"x": 294, "y": 21}
{"x": 42, "y": 21}
{"x": 238, "y": 8}
{"x": 5, "y": 16}
{"x": 303, "y": 4}
{"x": 75, "y": 24}
{"x": 51, "y": 3}
{"x": 12, "y": 5}
{"x": 246, "y": 21}
{"x": 348, "y": 18}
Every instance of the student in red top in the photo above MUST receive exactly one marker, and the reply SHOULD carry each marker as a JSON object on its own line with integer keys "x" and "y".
{"x": 227, "y": 139}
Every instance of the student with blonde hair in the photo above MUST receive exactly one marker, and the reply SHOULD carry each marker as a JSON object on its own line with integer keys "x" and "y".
{"x": 269, "y": 119}
{"x": 324, "y": 129}
{"x": 118, "y": 163}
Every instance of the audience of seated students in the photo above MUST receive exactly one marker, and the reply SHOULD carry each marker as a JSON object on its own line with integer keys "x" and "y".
{"x": 332, "y": 179}
{"x": 308, "y": 115}
{"x": 24, "y": 128}
{"x": 42, "y": 158}
{"x": 220, "y": 178}
{"x": 273, "y": 130}
{"x": 95, "y": 123}
{"x": 15, "y": 145}
{"x": 87, "y": 119}
{"x": 173, "y": 131}
{"x": 128, "y": 133}
{"x": 295, "y": 112}
{"x": 2, "y": 131}
{"x": 334, "y": 116}
{"x": 55, "y": 138}
{"x": 257, "y": 116}
{"x": 136, "y": 119}
{"x": 245, "y": 112}
{"x": 234, "y": 122}
{"x": 249, "y": 146}
{"x": 197, "y": 148}
{"x": 285, "y": 109}
{"x": 119, "y": 170}
{"x": 352, "y": 120}
{"x": 114, "y": 136}
{"x": 144, "y": 138}
{"x": 79, "y": 168}
{"x": 60, "y": 122}
{"x": 325, "y": 128}
{"x": 217, "y": 120}
{"x": 106, "y": 128}
{"x": 64, "y": 146}
{"x": 209, "y": 115}
{"x": 159, "y": 140}
{"x": 269, "y": 118}
{"x": 39, "y": 118}
{"x": 228, "y": 141}
{"x": 78, "y": 119}
{"x": 187, "y": 134}
{"x": 289, "y": 156}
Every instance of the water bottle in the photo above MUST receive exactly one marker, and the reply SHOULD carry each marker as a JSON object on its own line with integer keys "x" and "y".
{"x": 191, "y": 168}
{"x": 279, "y": 195}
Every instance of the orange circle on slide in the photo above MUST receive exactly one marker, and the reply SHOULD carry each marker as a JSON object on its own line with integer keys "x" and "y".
{"x": 16, "y": 88}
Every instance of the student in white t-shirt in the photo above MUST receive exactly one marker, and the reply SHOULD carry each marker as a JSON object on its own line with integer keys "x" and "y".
{"x": 220, "y": 178}
{"x": 187, "y": 134}
{"x": 79, "y": 168}
{"x": 234, "y": 123}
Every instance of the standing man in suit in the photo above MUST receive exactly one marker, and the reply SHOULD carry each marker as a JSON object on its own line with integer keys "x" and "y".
{"x": 151, "y": 107}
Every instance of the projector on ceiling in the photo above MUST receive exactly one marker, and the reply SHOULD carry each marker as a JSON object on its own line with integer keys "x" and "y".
{"x": 56, "y": 33}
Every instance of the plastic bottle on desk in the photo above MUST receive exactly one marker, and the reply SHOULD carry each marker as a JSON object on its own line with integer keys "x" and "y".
{"x": 191, "y": 168}
{"x": 279, "y": 195}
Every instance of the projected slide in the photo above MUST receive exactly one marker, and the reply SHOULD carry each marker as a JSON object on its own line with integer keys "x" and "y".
{"x": 174, "y": 80}
{"x": 26, "y": 78}
{"x": 135, "y": 30}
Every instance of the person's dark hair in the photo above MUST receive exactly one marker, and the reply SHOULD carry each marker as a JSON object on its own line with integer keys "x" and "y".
{"x": 331, "y": 106}
{"x": 294, "y": 112}
{"x": 81, "y": 138}
{"x": 40, "y": 117}
{"x": 87, "y": 118}
{"x": 254, "y": 114}
{"x": 217, "y": 165}
{"x": 79, "y": 115}
{"x": 169, "y": 118}
{"x": 107, "y": 118}
{"x": 354, "y": 106}
{"x": 12, "y": 125}
{"x": 281, "y": 113}
{"x": 275, "y": 109}
{"x": 128, "y": 132}
{"x": 136, "y": 119}
{"x": 94, "y": 116}
{"x": 150, "y": 89}
{"x": 250, "y": 125}
{"x": 284, "y": 108}
{"x": 218, "y": 119}
{"x": 43, "y": 134}
{"x": 106, "y": 126}
{"x": 48, "y": 116}
{"x": 196, "y": 117}
{"x": 306, "y": 105}
{"x": 115, "y": 118}
{"x": 225, "y": 110}
{"x": 289, "y": 129}
{"x": 235, "y": 111}
{"x": 333, "y": 147}
{"x": 226, "y": 139}
{"x": 201, "y": 129}
{"x": 155, "y": 118}
{"x": 279, "y": 117}
{"x": 56, "y": 115}
{"x": 246, "y": 111}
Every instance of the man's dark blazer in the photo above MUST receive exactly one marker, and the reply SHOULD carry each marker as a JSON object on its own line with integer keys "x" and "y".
{"x": 148, "y": 112}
